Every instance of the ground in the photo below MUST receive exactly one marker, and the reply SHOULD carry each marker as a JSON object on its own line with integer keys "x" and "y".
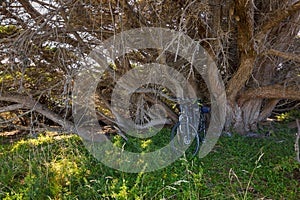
{"x": 56, "y": 166}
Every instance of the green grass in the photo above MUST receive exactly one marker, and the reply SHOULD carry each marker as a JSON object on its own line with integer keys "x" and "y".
{"x": 237, "y": 168}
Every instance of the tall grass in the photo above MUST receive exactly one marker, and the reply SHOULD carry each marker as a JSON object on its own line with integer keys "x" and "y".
{"x": 61, "y": 168}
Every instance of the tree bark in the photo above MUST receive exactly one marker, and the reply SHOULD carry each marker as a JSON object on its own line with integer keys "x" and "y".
{"x": 29, "y": 103}
{"x": 271, "y": 92}
{"x": 254, "y": 80}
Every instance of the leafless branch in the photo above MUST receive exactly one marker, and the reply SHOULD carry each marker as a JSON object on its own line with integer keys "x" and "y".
{"x": 245, "y": 24}
{"x": 30, "y": 9}
{"x": 36, "y": 106}
{"x": 11, "y": 107}
{"x": 275, "y": 18}
{"x": 268, "y": 108}
{"x": 289, "y": 56}
{"x": 271, "y": 92}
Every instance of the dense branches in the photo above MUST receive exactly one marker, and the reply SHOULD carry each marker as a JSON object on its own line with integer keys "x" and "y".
{"x": 254, "y": 43}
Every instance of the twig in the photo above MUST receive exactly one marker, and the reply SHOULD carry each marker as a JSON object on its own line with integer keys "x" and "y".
{"x": 297, "y": 142}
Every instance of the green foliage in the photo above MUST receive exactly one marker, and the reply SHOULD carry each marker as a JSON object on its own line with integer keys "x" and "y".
{"x": 8, "y": 30}
{"x": 51, "y": 49}
{"x": 4, "y": 76}
{"x": 32, "y": 77}
{"x": 289, "y": 116}
{"x": 240, "y": 155}
{"x": 61, "y": 168}
{"x": 161, "y": 139}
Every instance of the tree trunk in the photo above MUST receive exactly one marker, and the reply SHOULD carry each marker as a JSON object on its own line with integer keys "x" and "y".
{"x": 247, "y": 116}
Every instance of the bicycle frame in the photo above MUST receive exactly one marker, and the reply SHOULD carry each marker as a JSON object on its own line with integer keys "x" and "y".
{"x": 189, "y": 115}
{"x": 191, "y": 120}
{"x": 191, "y": 123}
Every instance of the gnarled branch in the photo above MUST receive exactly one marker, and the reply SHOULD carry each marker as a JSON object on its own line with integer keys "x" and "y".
{"x": 271, "y": 92}
{"x": 275, "y": 18}
{"x": 29, "y": 103}
{"x": 245, "y": 25}
{"x": 285, "y": 55}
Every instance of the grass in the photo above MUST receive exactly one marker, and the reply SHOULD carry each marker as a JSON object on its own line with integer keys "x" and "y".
{"x": 237, "y": 168}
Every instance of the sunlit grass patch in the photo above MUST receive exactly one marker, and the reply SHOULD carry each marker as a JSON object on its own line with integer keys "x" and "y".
{"x": 59, "y": 167}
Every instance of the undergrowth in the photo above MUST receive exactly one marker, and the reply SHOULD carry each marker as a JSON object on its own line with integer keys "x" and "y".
{"x": 237, "y": 168}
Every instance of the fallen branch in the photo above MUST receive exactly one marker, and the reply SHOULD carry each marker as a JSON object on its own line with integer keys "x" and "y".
{"x": 31, "y": 104}
{"x": 39, "y": 129}
{"x": 67, "y": 127}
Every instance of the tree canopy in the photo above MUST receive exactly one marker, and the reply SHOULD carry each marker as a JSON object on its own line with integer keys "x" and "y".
{"x": 255, "y": 44}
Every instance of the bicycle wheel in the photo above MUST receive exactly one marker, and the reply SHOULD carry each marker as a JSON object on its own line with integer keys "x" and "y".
{"x": 202, "y": 128}
{"x": 180, "y": 142}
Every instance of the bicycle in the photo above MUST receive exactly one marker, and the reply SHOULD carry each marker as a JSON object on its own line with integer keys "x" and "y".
{"x": 191, "y": 122}
{"x": 191, "y": 125}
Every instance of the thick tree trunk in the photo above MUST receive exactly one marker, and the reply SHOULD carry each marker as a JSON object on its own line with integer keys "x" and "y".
{"x": 244, "y": 118}
{"x": 252, "y": 92}
{"x": 250, "y": 114}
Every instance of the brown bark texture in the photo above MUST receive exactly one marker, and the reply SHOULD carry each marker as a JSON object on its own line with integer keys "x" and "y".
{"x": 255, "y": 44}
